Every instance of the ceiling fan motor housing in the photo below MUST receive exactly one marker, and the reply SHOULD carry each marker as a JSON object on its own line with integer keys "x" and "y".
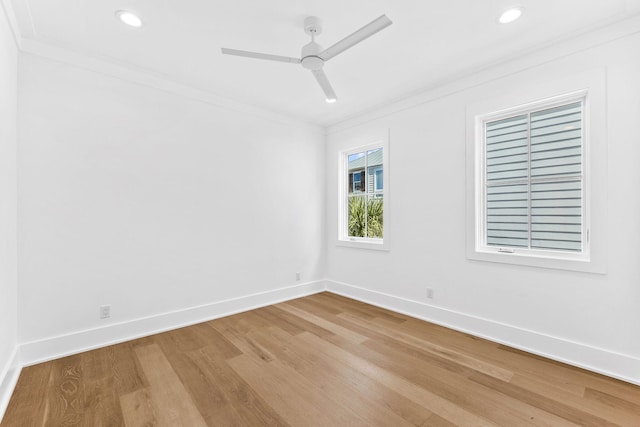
{"x": 310, "y": 59}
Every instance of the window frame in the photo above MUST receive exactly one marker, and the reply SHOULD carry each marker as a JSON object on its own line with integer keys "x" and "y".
{"x": 504, "y": 95}
{"x": 481, "y": 188}
{"x": 343, "y": 194}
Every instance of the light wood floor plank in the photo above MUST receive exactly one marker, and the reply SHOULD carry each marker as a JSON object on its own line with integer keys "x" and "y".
{"x": 65, "y": 397}
{"x": 300, "y": 402}
{"x": 235, "y": 330}
{"x": 435, "y": 349}
{"x": 28, "y": 405}
{"x": 170, "y": 399}
{"x": 138, "y": 409}
{"x": 321, "y": 360}
{"x": 598, "y": 409}
{"x": 408, "y": 389}
{"x": 333, "y": 327}
{"x": 206, "y": 394}
{"x": 489, "y": 403}
{"x": 126, "y": 370}
{"x": 102, "y": 402}
{"x": 248, "y": 408}
{"x": 363, "y": 397}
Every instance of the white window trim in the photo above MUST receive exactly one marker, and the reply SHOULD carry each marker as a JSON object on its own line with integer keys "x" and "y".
{"x": 362, "y": 242}
{"x": 592, "y": 87}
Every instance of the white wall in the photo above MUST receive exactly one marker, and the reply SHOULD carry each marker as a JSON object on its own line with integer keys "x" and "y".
{"x": 8, "y": 201}
{"x": 153, "y": 203}
{"x": 562, "y": 314}
{"x": 160, "y": 204}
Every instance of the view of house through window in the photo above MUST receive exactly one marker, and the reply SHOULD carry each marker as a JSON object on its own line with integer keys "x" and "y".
{"x": 365, "y": 193}
{"x": 534, "y": 179}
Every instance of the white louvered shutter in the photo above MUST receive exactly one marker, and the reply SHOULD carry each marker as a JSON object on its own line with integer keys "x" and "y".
{"x": 534, "y": 179}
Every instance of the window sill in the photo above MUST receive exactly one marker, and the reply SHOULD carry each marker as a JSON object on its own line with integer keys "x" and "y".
{"x": 377, "y": 245}
{"x": 541, "y": 261}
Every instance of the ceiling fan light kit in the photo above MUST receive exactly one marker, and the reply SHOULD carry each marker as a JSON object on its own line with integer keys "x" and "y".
{"x": 313, "y": 57}
{"x": 129, "y": 18}
{"x": 511, "y": 15}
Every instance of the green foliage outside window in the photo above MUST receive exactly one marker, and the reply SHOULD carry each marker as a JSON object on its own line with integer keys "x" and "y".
{"x": 365, "y": 220}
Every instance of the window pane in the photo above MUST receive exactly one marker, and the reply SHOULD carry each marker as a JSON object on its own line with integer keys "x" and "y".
{"x": 556, "y": 215}
{"x": 533, "y": 165}
{"x": 375, "y": 217}
{"x": 507, "y": 215}
{"x": 356, "y": 160}
{"x": 356, "y": 172}
{"x": 374, "y": 163}
{"x": 357, "y": 217}
{"x": 375, "y": 157}
{"x": 364, "y": 211}
{"x": 379, "y": 181}
{"x": 507, "y": 149}
{"x": 556, "y": 141}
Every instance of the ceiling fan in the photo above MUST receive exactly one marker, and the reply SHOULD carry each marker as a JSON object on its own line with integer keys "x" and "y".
{"x": 313, "y": 57}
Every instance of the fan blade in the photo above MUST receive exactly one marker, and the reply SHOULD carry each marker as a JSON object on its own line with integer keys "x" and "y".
{"x": 365, "y": 32}
{"x": 321, "y": 77}
{"x": 260, "y": 55}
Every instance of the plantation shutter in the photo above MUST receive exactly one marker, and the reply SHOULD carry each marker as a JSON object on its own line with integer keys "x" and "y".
{"x": 363, "y": 183}
{"x": 507, "y": 162}
{"x": 534, "y": 179}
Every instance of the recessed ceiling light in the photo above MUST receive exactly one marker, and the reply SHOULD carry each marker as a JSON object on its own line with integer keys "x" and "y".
{"x": 129, "y": 18}
{"x": 510, "y": 15}
{"x": 330, "y": 100}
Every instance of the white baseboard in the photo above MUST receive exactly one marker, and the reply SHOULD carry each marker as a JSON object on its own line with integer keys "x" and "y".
{"x": 8, "y": 380}
{"x": 616, "y": 365}
{"x": 64, "y": 345}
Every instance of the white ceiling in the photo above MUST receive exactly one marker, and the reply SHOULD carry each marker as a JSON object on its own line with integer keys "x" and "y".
{"x": 428, "y": 43}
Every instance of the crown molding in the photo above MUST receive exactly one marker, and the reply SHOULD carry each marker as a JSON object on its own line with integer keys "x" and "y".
{"x": 25, "y": 38}
{"x": 572, "y": 44}
{"x": 127, "y": 72}
{"x": 20, "y": 20}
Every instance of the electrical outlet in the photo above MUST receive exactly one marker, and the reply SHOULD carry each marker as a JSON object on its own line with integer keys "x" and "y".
{"x": 105, "y": 311}
{"x": 298, "y": 276}
{"x": 429, "y": 293}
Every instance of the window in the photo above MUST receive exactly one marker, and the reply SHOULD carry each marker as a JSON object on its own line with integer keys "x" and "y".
{"x": 363, "y": 204}
{"x": 356, "y": 181}
{"x": 536, "y": 182}
{"x": 533, "y": 181}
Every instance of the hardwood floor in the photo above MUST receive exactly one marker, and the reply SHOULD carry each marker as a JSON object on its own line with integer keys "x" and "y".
{"x": 322, "y": 360}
